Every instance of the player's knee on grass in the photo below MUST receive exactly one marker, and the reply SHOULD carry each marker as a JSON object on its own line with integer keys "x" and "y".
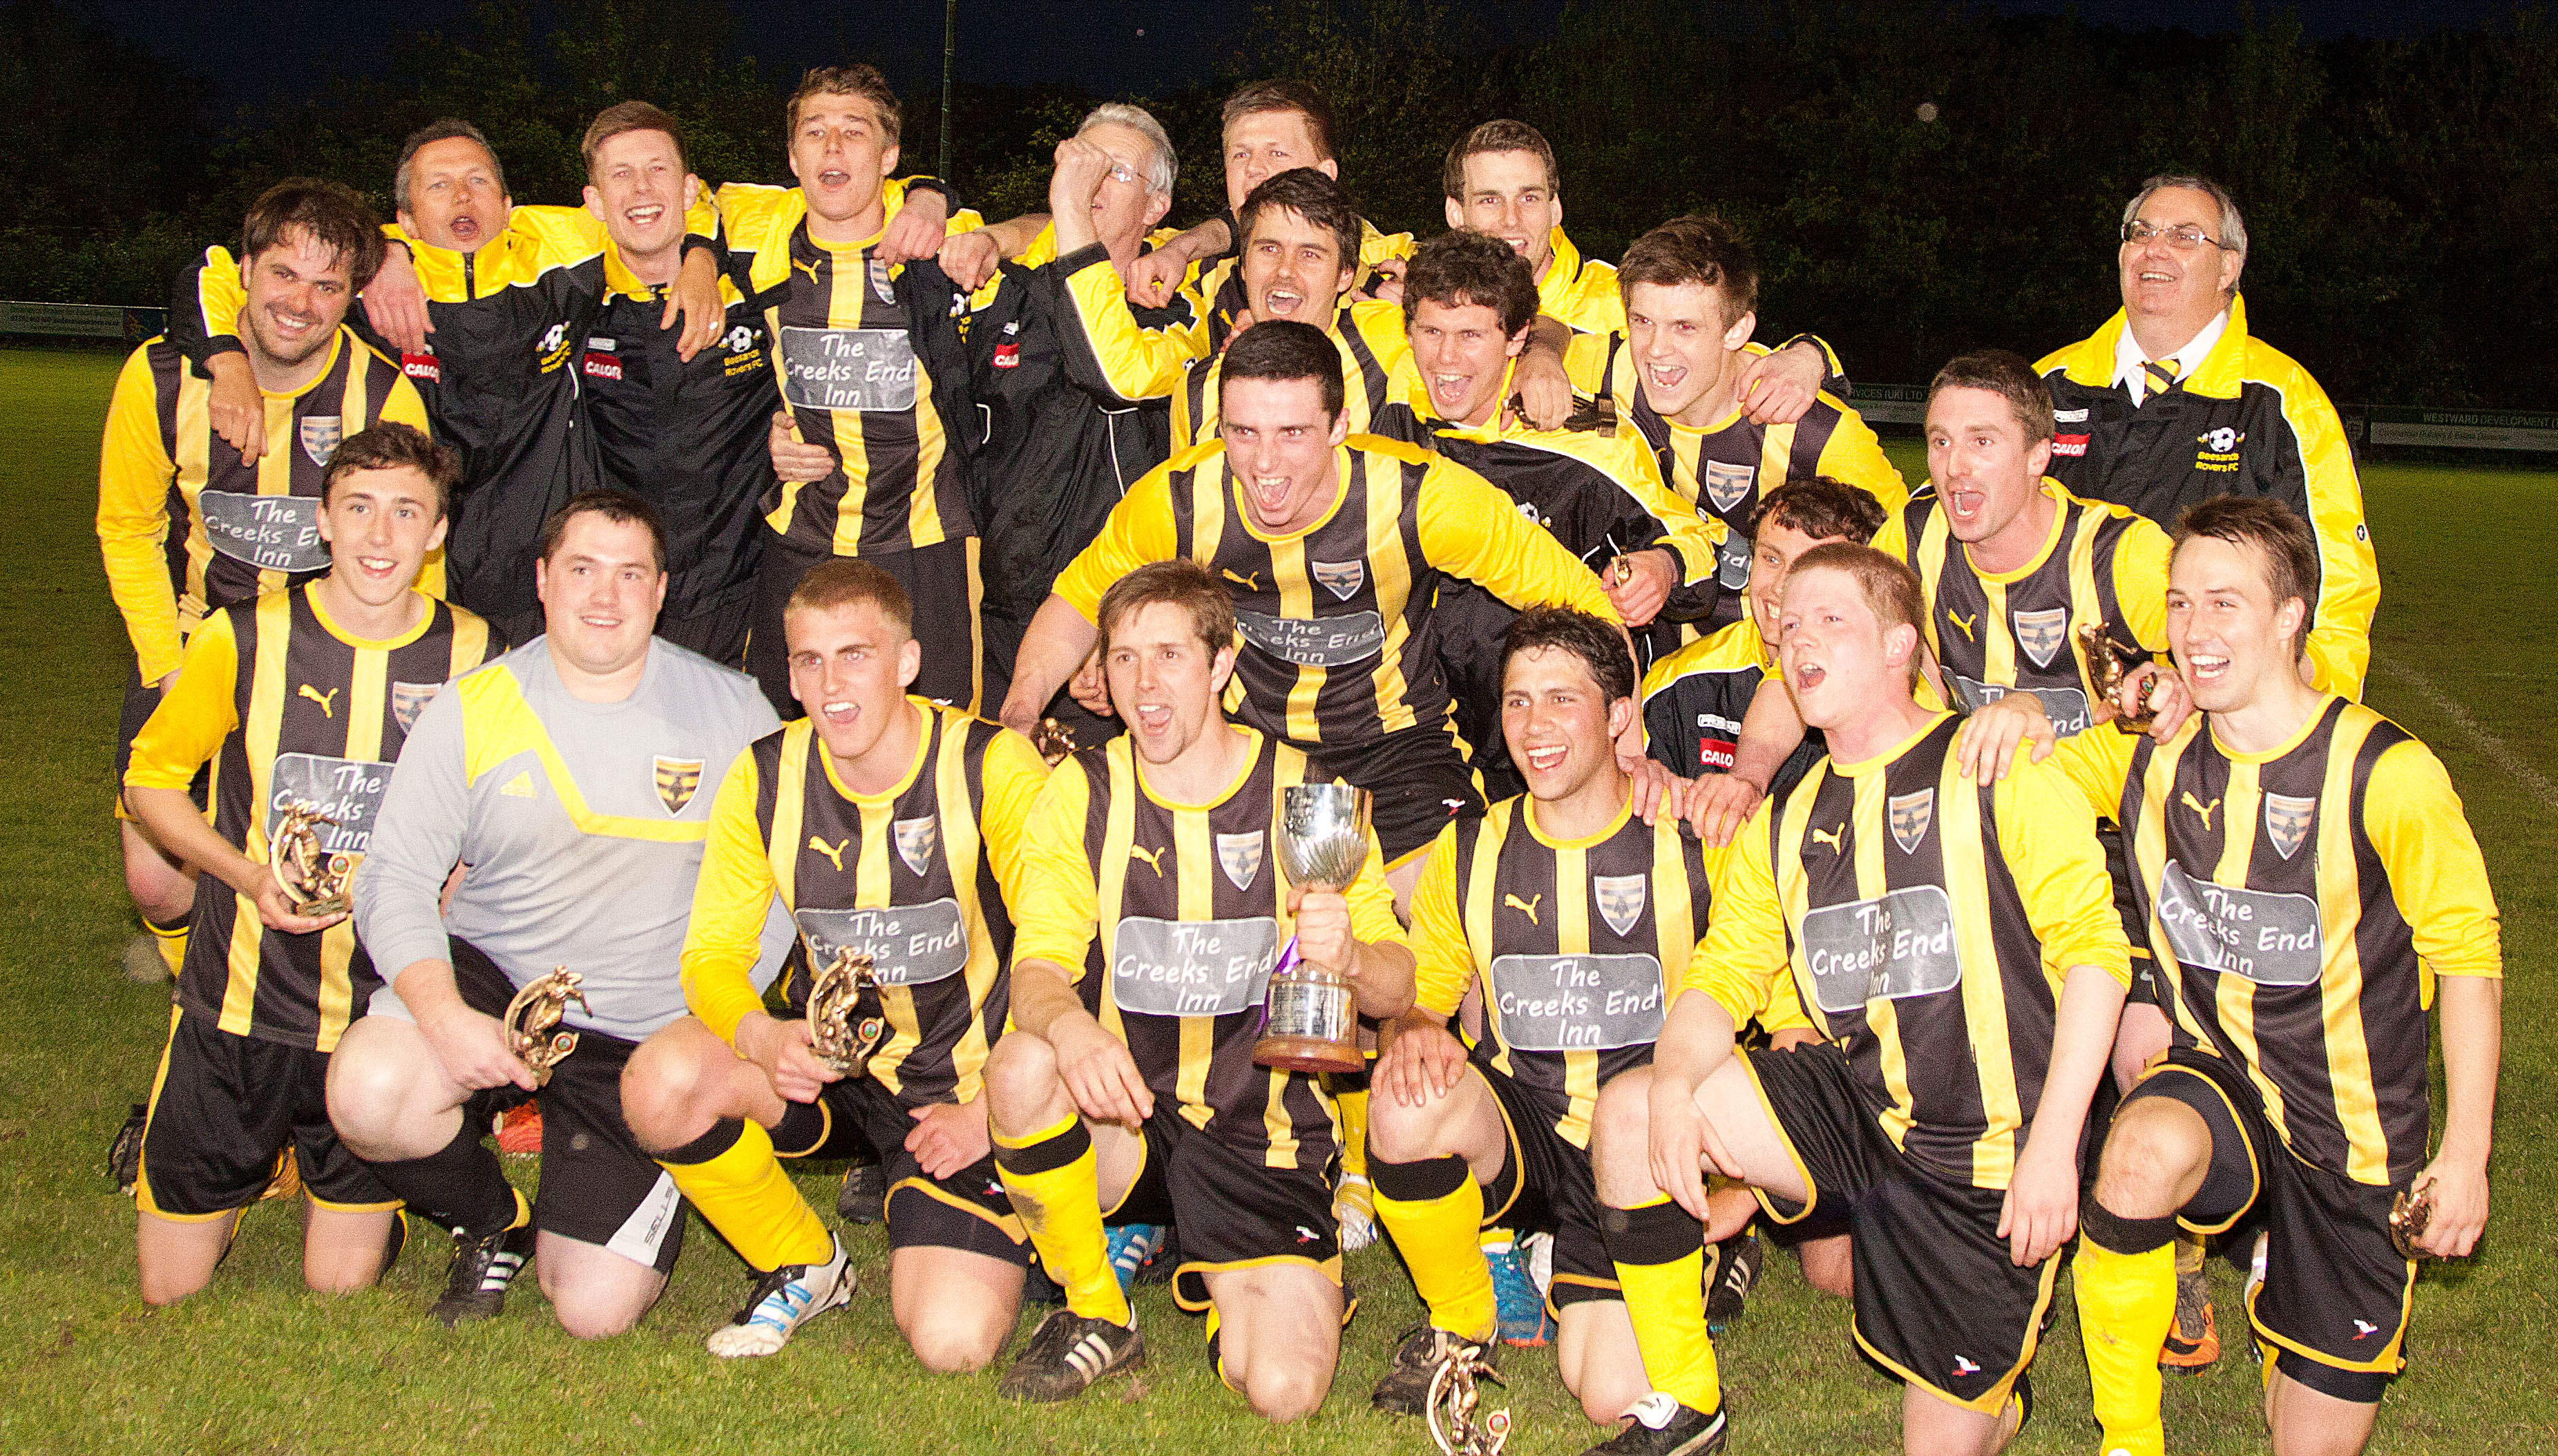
{"x": 1621, "y": 1135}
{"x": 1283, "y": 1384}
{"x": 177, "y": 1256}
{"x": 957, "y": 1327}
{"x": 342, "y": 1249}
{"x": 2157, "y": 1149}
{"x": 590, "y": 1304}
{"x": 1829, "y": 1264}
{"x": 1595, "y": 1354}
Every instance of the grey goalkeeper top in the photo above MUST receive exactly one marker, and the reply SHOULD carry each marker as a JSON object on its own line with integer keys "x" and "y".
{"x": 582, "y": 826}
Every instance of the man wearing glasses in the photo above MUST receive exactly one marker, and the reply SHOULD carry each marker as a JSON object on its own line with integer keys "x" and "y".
{"x": 2174, "y": 403}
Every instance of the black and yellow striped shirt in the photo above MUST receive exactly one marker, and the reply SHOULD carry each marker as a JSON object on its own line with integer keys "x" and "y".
{"x": 287, "y": 707}
{"x": 1370, "y": 338}
{"x": 919, "y": 875}
{"x": 1994, "y": 631}
{"x": 1335, "y": 618}
{"x": 186, "y": 528}
{"x": 2300, "y": 903}
{"x": 1182, "y": 910}
{"x": 869, "y": 363}
{"x": 1927, "y": 922}
{"x": 1580, "y": 944}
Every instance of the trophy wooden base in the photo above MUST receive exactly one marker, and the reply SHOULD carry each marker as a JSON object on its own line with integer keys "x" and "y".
{"x": 1307, "y": 1054}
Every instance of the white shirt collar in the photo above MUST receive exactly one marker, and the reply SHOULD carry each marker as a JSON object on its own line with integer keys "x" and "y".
{"x": 2128, "y": 359}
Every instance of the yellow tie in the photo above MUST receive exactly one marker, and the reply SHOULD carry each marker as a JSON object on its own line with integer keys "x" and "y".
{"x": 2162, "y": 375}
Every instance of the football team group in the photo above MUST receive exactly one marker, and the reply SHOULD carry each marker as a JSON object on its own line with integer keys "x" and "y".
{"x": 554, "y": 673}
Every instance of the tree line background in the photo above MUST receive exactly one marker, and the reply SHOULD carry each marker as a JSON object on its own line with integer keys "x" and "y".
{"x": 2401, "y": 195}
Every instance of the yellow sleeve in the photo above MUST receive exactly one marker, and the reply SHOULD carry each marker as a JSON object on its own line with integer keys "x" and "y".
{"x": 1743, "y": 948}
{"x": 2436, "y": 874}
{"x": 2339, "y": 638}
{"x": 1446, "y": 963}
{"x": 2097, "y": 762}
{"x": 732, "y": 899}
{"x": 2048, "y": 833}
{"x": 1783, "y": 1008}
{"x": 1133, "y": 361}
{"x": 1060, "y": 904}
{"x": 1585, "y": 363}
{"x": 1892, "y": 540}
{"x": 1855, "y": 455}
{"x": 2140, "y": 581}
{"x": 133, "y": 475}
{"x": 1469, "y": 528}
{"x": 220, "y": 295}
{"x": 195, "y": 715}
{"x": 1014, "y": 774}
{"x": 557, "y": 237}
{"x": 1372, "y": 899}
{"x": 1139, "y": 529}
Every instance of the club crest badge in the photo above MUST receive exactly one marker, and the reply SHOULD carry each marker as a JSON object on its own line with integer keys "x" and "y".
{"x": 2287, "y": 823}
{"x": 679, "y": 780}
{"x": 320, "y": 436}
{"x": 915, "y": 841}
{"x": 1910, "y": 815}
{"x": 1341, "y": 578}
{"x": 1727, "y": 486}
{"x": 2041, "y": 634}
{"x": 1620, "y": 900}
{"x": 408, "y": 699}
{"x": 1239, "y": 855}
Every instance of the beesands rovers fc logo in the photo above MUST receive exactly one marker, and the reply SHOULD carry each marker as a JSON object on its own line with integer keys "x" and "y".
{"x": 677, "y": 781}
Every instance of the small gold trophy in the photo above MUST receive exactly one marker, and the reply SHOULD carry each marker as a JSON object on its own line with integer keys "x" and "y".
{"x": 2409, "y": 1212}
{"x": 1454, "y": 1401}
{"x": 1054, "y": 740}
{"x": 314, "y": 880}
{"x": 2105, "y": 673}
{"x": 833, "y": 993}
{"x": 1309, "y": 1014}
{"x": 532, "y": 1021}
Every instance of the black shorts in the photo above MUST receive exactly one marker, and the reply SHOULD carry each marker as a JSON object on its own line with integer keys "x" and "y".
{"x": 1545, "y": 1185}
{"x": 139, "y": 702}
{"x": 224, "y": 1111}
{"x": 596, "y": 1186}
{"x": 1418, "y": 780}
{"x": 1231, "y": 1212}
{"x": 941, "y": 582}
{"x": 1937, "y": 1302}
{"x": 2337, "y": 1292}
{"x": 968, "y": 1210}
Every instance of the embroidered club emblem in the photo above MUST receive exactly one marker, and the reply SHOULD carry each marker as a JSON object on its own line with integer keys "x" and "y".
{"x": 1727, "y": 486}
{"x": 1620, "y": 900}
{"x": 1239, "y": 855}
{"x": 915, "y": 841}
{"x": 320, "y": 436}
{"x": 2287, "y": 823}
{"x": 1910, "y": 815}
{"x": 2041, "y": 634}
{"x": 1341, "y": 578}
{"x": 677, "y": 781}
{"x": 408, "y": 699}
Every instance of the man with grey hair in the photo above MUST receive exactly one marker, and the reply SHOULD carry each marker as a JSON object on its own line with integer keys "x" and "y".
{"x": 1062, "y": 446}
{"x": 2174, "y": 403}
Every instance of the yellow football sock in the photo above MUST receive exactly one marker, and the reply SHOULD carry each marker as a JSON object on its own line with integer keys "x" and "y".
{"x": 1432, "y": 1209}
{"x": 2126, "y": 1305}
{"x": 733, "y": 1178}
{"x": 171, "y": 938}
{"x": 1660, "y": 1267}
{"x": 1354, "y": 1113}
{"x": 1056, "y": 1186}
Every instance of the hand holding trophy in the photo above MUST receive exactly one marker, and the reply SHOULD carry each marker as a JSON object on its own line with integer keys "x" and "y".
{"x": 532, "y": 1019}
{"x": 315, "y": 881}
{"x": 1310, "y": 1014}
{"x": 2105, "y": 673}
{"x": 835, "y": 990}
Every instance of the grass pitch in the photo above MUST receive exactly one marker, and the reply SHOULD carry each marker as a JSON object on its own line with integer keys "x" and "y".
{"x": 256, "y": 1363}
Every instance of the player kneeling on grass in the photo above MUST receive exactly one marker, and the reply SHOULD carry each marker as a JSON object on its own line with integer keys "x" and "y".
{"x": 1152, "y": 861}
{"x": 892, "y": 829}
{"x": 2308, "y": 885}
{"x": 1578, "y": 918}
{"x": 297, "y": 697}
{"x": 566, "y": 776}
{"x": 1956, "y": 944}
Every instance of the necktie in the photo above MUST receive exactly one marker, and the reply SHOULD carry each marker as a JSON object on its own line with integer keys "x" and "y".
{"x": 2162, "y": 373}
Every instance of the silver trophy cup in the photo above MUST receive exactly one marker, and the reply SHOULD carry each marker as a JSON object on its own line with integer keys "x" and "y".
{"x": 1310, "y": 1015}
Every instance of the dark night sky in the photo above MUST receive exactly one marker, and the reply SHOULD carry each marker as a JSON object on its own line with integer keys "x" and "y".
{"x": 287, "y": 48}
